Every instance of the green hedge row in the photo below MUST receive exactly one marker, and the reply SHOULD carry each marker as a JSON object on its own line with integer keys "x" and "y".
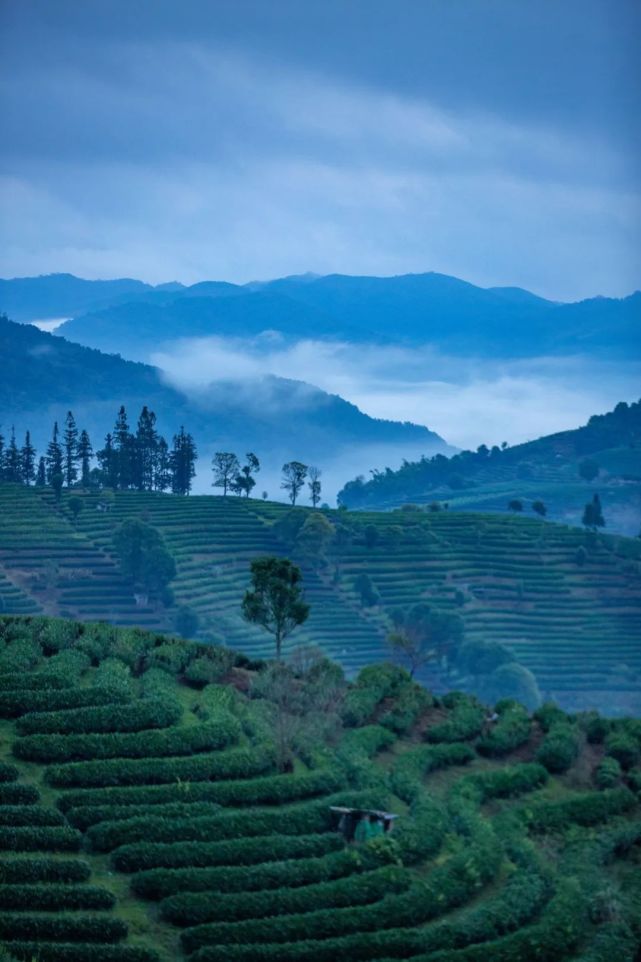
{"x": 447, "y": 886}
{"x": 368, "y": 740}
{"x": 79, "y": 952}
{"x": 559, "y": 748}
{"x": 235, "y": 763}
{"x": 374, "y": 683}
{"x": 14, "y": 680}
{"x": 608, "y": 773}
{"x": 147, "y": 744}
{"x": 624, "y": 747}
{"x": 45, "y": 838}
{"x": 411, "y": 767}
{"x": 421, "y": 835}
{"x": 193, "y": 908}
{"x": 18, "y": 870}
{"x": 108, "y": 804}
{"x": 160, "y": 883}
{"x": 409, "y": 703}
{"x": 510, "y": 731}
{"x": 465, "y": 721}
{"x": 146, "y": 713}
{"x": 84, "y": 818}
{"x": 587, "y": 808}
{"x": 502, "y": 783}
{"x": 61, "y": 928}
{"x": 8, "y": 772}
{"x": 13, "y": 794}
{"x": 55, "y": 898}
{"x": 18, "y": 815}
{"x": 522, "y": 896}
{"x": 238, "y": 851}
{"x": 299, "y": 819}
{"x": 16, "y": 703}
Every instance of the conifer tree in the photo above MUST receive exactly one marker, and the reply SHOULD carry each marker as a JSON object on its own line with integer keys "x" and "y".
{"x": 70, "y": 439}
{"x": 123, "y": 445}
{"x": 162, "y": 467}
{"x": 108, "y": 462}
{"x": 12, "y": 466}
{"x": 85, "y": 454}
{"x": 53, "y": 457}
{"x": 28, "y": 460}
{"x": 183, "y": 461}
{"x": 146, "y": 450}
{"x": 1, "y": 457}
{"x": 41, "y": 475}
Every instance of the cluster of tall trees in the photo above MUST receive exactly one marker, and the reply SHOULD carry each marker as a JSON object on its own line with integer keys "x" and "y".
{"x": 140, "y": 460}
{"x": 230, "y": 475}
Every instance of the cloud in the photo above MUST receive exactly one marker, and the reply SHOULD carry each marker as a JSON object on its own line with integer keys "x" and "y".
{"x": 189, "y": 158}
{"x": 468, "y": 401}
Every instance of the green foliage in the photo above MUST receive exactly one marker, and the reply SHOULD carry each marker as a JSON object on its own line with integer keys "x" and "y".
{"x": 608, "y": 773}
{"x": 373, "y": 684}
{"x": 17, "y": 815}
{"x": 61, "y": 928}
{"x": 23, "y": 701}
{"x": 22, "y": 870}
{"x": 81, "y": 952}
{"x": 412, "y": 766}
{"x": 146, "y": 713}
{"x": 465, "y": 721}
{"x": 510, "y": 731}
{"x": 145, "y": 744}
{"x": 559, "y": 748}
{"x": 55, "y": 897}
{"x": 12, "y": 794}
{"x": 587, "y": 808}
{"x": 623, "y": 747}
{"x": 8, "y": 772}
{"x": 40, "y": 838}
{"x": 512, "y": 681}
{"x": 275, "y": 599}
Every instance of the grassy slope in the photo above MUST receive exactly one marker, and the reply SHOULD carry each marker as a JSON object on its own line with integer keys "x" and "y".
{"x": 520, "y": 583}
{"x": 550, "y": 851}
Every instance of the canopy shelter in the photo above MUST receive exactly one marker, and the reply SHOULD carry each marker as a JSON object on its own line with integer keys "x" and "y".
{"x": 362, "y": 824}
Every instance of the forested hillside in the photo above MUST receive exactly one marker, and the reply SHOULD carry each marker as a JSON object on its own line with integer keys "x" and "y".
{"x": 566, "y": 602}
{"x": 562, "y": 470}
{"x": 163, "y": 800}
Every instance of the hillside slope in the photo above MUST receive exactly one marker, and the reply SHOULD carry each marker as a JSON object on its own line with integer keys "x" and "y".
{"x": 568, "y": 604}
{"x": 548, "y": 469}
{"x": 156, "y": 822}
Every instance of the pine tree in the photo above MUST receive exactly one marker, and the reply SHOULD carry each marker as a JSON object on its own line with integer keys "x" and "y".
{"x": 593, "y": 514}
{"x": 28, "y": 460}
{"x": 85, "y": 454}
{"x": 162, "y": 467}
{"x": 146, "y": 450}
{"x": 1, "y": 457}
{"x": 124, "y": 448}
{"x": 71, "y": 449}
{"x": 12, "y": 467}
{"x": 53, "y": 457}
{"x": 183, "y": 460}
{"x": 41, "y": 476}
{"x": 108, "y": 462}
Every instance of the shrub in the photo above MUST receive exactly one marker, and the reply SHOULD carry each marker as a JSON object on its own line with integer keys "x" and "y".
{"x": 8, "y": 773}
{"x": 270, "y": 790}
{"x": 34, "y": 682}
{"x": 550, "y": 714}
{"x": 147, "y": 744}
{"x": 159, "y": 883}
{"x": 61, "y": 928}
{"x": 80, "y": 952}
{"x": 147, "y": 713}
{"x": 623, "y": 747}
{"x": 511, "y": 730}
{"x": 304, "y": 818}
{"x": 411, "y": 767}
{"x": 17, "y": 815}
{"x": 17, "y": 870}
{"x": 55, "y": 898}
{"x": 596, "y": 729}
{"x": 422, "y": 834}
{"x": 113, "y": 673}
{"x": 238, "y": 851}
{"x": 12, "y": 794}
{"x": 235, "y": 763}
{"x": 608, "y": 773}
{"x": 21, "y": 701}
{"x": 374, "y": 683}
{"x": 20, "y": 656}
{"x": 410, "y": 702}
{"x": 559, "y": 748}
{"x": 45, "y": 837}
{"x": 465, "y": 721}
{"x": 587, "y": 808}
{"x": 86, "y": 816}
{"x": 193, "y": 908}
{"x": 504, "y": 782}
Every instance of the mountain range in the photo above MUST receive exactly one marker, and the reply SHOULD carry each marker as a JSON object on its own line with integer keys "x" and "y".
{"x": 131, "y": 317}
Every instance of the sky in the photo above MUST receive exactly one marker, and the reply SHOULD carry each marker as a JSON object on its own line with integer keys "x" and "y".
{"x": 495, "y": 140}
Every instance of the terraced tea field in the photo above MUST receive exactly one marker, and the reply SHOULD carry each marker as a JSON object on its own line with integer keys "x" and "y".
{"x": 514, "y": 580}
{"x": 143, "y": 820}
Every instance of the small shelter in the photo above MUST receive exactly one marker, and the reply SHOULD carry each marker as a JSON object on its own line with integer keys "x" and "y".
{"x": 362, "y": 824}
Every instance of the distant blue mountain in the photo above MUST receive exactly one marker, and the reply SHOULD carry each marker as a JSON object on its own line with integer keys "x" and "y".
{"x": 130, "y": 317}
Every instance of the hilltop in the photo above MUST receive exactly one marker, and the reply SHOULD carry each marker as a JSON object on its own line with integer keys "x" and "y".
{"x": 567, "y": 602}
{"x": 562, "y": 469}
{"x": 164, "y": 800}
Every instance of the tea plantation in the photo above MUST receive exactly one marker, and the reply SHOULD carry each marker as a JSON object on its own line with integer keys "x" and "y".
{"x": 567, "y": 602}
{"x": 147, "y": 817}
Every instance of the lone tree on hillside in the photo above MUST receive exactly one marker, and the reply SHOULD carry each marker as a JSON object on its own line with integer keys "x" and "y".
{"x": 515, "y": 505}
{"x": 539, "y": 508}
{"x": 275, "y": 599}
{"x": 424, "y": 634}
{"x": 294, "y": 474}
{"x": 593, "y": 515}
{"x": 244, "y": 483}
{"x": 226, "y": 467}
{"x": 314, "y": 485}
{"x": 144, "y": 559}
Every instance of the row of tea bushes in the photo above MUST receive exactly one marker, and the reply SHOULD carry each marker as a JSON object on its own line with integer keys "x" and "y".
{"x": 146, "y": 713}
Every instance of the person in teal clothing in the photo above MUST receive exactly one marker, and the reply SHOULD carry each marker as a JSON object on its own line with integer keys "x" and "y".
{"x": 369, "y": 827}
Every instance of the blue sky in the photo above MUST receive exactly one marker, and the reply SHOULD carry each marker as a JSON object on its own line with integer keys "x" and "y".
{"x": 496, "y": 140}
